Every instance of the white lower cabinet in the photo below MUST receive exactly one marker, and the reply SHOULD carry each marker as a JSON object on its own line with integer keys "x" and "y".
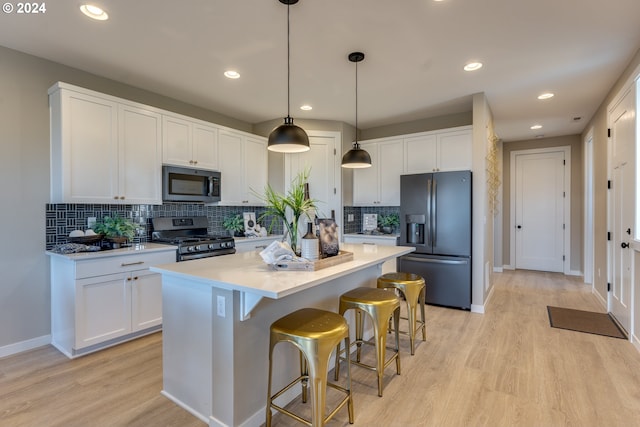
{"x": 376, "y": 239}
{"x": 96, "y": 303}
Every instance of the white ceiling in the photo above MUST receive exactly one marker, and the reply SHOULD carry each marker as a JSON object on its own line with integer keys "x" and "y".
{"x": 415, "y": 51}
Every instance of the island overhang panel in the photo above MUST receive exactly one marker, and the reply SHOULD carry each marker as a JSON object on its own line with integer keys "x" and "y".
{"x": 216, "y": 317}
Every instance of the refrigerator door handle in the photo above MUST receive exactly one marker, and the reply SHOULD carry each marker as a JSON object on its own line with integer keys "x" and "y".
{"x": 434, "y": 210}
{"x": 437, "y": 261}
{"x": 428, "y": 221}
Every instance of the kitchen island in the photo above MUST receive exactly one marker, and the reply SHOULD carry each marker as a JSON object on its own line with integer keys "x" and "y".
{"x": 216, "y": 317}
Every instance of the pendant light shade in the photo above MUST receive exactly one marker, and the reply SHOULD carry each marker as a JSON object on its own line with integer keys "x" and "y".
{"x": 356, "y": 158}
{"x": 288, "y": 138}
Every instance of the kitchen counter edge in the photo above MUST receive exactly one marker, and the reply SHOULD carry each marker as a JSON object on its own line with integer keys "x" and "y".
{"x": 132, "y": 250}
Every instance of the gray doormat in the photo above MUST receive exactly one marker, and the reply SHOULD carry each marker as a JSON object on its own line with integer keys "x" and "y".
{"x": 585, "y": 321}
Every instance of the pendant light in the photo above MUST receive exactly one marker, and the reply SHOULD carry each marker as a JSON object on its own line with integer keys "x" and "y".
{"x": 356, "y": 158}
{"x": 288, "y": 138}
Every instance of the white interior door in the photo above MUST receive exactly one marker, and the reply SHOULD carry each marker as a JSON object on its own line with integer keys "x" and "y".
{"x": 622, "y": 121}
{"x": 539, "y": 210}
{"x": 324, "y": 180}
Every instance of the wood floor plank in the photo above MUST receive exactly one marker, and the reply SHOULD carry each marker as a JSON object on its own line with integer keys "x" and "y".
{"x": 507, "y": 367}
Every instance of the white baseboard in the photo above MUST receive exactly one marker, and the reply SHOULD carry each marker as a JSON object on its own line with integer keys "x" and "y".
{"x": 601, "y": 300}
{"x": 497, "y": 269}
{"x": 19, "y": 347}
{"x": 636, "y": 342}
{"x": 508, "y": 267}
{"x": 574, "y": 273}
{"x": 479, "y": 308}
{"x": 186, "y": 407}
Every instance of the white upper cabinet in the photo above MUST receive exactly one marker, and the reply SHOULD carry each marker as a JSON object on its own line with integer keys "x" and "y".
{"x": 103, "y": 150}
{"x": 433, "y": 151}
{"x": 139, "y": 155}
{"x": 379, "y": 185}
{"x": 243, "y": 167}
{"x": 438, "y": 151}
{"x": 189, "y": 143}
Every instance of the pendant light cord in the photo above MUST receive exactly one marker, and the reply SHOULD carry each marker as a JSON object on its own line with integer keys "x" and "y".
{"x": 356, "y": 145}
{"x": 288, "y": 64}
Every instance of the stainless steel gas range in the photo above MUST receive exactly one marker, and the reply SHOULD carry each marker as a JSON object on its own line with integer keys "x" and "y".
{"x": 190, "y": 236}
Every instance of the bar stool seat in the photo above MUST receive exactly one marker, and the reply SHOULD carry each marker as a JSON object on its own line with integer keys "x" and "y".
{"x": 316, "y": 333}
{"x": 412, "y": 287}
{"x": 380, "y": 305}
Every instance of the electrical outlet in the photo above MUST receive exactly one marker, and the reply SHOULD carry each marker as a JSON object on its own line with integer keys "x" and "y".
{"x": 221, "y": 306}
{"x": 91, "y": 221}
{"x": 350, "y": 218}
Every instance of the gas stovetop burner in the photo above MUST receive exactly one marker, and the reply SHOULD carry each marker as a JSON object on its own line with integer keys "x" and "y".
{"x": 189, "y": 234}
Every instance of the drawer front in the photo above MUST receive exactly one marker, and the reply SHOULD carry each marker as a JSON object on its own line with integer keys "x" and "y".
{"x": 253, "y": 245}
{"x": 122, "y": 263}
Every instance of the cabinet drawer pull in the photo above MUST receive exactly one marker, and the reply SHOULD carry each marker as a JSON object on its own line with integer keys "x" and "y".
{"x": 126, "y": 264}
{"x": 261, "y": 247}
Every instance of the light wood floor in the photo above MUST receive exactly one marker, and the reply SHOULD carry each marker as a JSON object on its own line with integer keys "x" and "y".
{"x": 504, "y": 368}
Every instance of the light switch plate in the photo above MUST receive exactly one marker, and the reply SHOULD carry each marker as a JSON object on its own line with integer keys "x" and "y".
{"x": 221, "y": 306}
{"x": 91, "y": 222}
{"x": 369, "y": 222}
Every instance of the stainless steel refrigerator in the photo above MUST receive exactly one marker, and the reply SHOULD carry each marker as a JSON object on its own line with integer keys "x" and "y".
{"x": 435, "y": 218}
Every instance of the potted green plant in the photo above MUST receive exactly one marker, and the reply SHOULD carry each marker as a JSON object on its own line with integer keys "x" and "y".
{"x": 289, "y": 207}
{"x": 389, "y": 223}
{"x": 116, "y": 229}
{"x": 234, "y": 224}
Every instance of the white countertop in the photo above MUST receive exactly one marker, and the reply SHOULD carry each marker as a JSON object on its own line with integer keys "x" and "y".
{"x": 132, "y": 250}
{"x": 247, "y": 272}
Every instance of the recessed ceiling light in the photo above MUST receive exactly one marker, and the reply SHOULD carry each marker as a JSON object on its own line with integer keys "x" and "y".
{"x": 94, "y": 12}
{"x": 534, "y": 127}
{"x": 545, "y": 95}
{"x": 472, "y": 66}
{"x": 232, "y": 74}
{"x": 306, "y": 107}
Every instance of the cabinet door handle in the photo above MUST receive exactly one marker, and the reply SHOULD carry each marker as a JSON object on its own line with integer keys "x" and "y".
{"x": 126, "y": 264}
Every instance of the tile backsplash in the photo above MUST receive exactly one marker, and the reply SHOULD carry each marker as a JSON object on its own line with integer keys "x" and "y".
{"x": 63, "y": 218}
{"x": 355, "y": 226}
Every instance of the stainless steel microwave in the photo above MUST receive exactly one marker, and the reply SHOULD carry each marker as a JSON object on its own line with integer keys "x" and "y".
{"x": 190, "y": 185}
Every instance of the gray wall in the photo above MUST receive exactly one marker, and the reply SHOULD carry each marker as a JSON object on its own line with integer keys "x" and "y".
{"x": 24, "y": 172}
{"x": 577, "y": 193}
{"x": 422, "y": 125}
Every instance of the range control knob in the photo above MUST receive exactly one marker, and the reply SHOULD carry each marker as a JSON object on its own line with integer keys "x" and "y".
{"x": 212, "y": 246}
{"x": 189, "y": 248}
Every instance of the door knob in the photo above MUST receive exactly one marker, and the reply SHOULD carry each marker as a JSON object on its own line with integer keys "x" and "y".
{"x": 624, "y": 245}
{"x": 519, "y": 226}
{"x": 629, "y": 231}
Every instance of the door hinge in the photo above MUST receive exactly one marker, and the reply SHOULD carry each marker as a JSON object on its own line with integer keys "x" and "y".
{"x": 334, "y": 152}
{"x": 609, "y": 133}
{"x": 608, "y": 236}
{"x": 564, "y": 194}
{"x": 334, "y": 191}
{"x": 564, "y": 163}
{"x": 563, "y": 257}
{"x": 608, "y": 287}
{"x": 563, "y": 226}
{"x": 609, "y": 184}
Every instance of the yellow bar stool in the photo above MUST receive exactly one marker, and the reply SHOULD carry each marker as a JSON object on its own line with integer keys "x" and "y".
{"x": 316, "y": 333}
{"x": 380, "y": 305}
{"x": 413, "y": 289}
